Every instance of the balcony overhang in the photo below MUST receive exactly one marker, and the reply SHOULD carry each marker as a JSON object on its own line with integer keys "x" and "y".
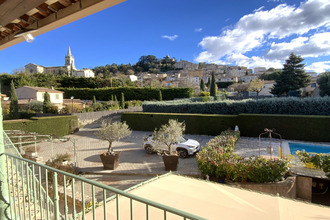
{"x": 43, "y": 16}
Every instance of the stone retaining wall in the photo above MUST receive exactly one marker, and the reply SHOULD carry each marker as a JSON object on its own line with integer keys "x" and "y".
{"x": 95, "y": 117}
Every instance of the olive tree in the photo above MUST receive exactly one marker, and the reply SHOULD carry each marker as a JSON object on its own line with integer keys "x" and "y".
{"x": 113, "y": 132}
{"x": 169, "y": 135}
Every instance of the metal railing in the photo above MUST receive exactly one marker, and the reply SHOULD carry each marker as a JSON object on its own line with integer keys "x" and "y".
{"x": 43, "y": 210}
{"x": 41, "y": 192}
{"x": 22, "y": 180}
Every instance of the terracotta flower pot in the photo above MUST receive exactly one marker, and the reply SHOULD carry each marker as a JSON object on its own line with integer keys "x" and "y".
{"x": 171, "y": 162}
{"x": 110, "y": 162}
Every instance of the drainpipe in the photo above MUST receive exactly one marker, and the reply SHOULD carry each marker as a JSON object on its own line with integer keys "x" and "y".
{"x": 4, "y": 204}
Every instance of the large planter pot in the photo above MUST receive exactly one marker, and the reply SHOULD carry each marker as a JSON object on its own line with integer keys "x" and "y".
{"x": 171, "y": 162}
{"x": 110, "y": 162}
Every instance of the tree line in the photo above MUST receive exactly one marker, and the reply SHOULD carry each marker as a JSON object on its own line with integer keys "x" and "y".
{"x": 59, "y": 81}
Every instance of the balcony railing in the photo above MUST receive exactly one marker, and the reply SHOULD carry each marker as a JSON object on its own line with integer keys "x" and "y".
{"x": 38, "y": 191}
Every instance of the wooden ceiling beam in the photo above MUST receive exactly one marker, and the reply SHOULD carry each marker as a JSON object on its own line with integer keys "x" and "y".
{"x": 65, "y": 3}
{"x": 57, "y": 6}
{"x": 43, "y": 8}
{"x": 12, "y": 9}
{"x": 63, "y": 16}
{"x": 25, "y": 18}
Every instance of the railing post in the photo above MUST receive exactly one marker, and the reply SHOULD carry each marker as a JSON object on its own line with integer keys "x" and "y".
{"x": 56, "y": 198}
{"x": 4, "y": 205}
{"x": 35, "y": 144}
{"x": 51, "y": 141}
{"x": 75, "y": 152}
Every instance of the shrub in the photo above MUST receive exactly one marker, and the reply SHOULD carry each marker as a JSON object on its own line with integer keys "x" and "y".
{"x": 266, "y": 170}
{"x": 292, "y": 105}
{"x": 52, "y": 109}
{"x": 251, "y": 125}
{"x": 133, "y": 103}
{"x": 59, "y": 125}
{"x": 57, "y": 163}
{"x": 195, "y": 123}
{"x": 320, "y": 161}
{"x": 217, "y": 160}
{"x": 5, "y": 110}
{"x": 77, "y": 108}
{"x": 131, "y": 93}
{"x": 226, "y": 140}
{"x": 34, "y": 106}
{"x": 205, "y": 93}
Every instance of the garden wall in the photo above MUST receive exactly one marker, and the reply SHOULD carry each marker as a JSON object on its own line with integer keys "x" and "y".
{"x": 294, "y": 127}
{"x": 286, "y": 188}
{"x": 90, "y": 117}
{"x": 59, "y": 125}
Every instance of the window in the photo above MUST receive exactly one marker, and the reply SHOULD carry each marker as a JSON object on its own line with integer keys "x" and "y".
{"x": 57, "y": 96}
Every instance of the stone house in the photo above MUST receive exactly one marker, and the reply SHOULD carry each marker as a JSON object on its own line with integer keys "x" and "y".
{"x": 28, "y": 93}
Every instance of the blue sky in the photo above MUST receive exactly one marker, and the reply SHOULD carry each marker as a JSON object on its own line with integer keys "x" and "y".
{"x": 248, "y": 33}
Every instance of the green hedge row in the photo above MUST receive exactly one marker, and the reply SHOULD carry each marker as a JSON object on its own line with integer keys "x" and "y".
{"x": 294, "y": 127}
{"x": 195, "y": 123}
{"x": 59, "y": 125}
{"x": 292, "y": 105}
{"x": 131, "y": 93}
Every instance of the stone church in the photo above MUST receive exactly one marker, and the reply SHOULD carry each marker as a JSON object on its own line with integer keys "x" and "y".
{"x": 68, "y": 68}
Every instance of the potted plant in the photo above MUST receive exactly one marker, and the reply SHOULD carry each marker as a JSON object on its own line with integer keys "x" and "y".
{"x": 112, "y": 132}
{"x": 61, "y": 162}
{"x": 169, "y": 135}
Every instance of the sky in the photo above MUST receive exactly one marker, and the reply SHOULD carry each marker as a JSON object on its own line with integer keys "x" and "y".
{"x": 253, "y": 33}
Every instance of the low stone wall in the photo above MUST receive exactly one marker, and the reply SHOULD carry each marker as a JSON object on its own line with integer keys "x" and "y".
{"x": 97, "y": 117}
{"x": 286, "y": 188}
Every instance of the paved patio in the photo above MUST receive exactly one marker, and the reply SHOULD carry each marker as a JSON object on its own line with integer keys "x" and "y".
{"x": 136, "y": 162}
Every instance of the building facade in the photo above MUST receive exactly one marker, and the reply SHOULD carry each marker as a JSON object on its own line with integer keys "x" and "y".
{"x": 68, "y": 68}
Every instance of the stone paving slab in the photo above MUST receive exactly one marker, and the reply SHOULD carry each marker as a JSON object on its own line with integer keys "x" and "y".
{"x": 133, "y": 161}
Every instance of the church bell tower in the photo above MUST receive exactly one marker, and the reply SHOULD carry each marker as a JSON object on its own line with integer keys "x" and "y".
{"x": 69, "y": 61}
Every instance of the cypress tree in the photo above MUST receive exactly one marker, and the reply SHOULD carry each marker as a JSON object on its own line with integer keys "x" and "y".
{"x": 112, "y": 99}
{"x": 292, "y": 77}
{"x": 202, "y": 85}
{"x": 213, "y": 88}
{"x": 13, "y": 108}
{"x": 46, "y": 104}
{"x": 160, "y": 97}
{"x": 122, "y": 102}
{"x": 94, "y": 99}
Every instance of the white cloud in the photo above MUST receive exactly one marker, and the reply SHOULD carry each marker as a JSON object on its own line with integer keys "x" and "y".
{"x": 198, "y": 29}
{"x": 319, "y": 67}
{"x": 260, "y": 28}
{"x": 254, "y": 61}
{"x": 170, "y": 37}
{"x": 314, "y": 46}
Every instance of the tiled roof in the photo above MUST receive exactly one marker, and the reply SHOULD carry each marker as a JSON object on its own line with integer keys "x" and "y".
{"x": 41, "y": 89}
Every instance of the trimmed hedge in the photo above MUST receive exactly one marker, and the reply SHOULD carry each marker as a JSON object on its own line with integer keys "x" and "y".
{"x": 292, "y": 105}
{"x": 59, "y": 125}
{"x": 195, "y": 123}
{"x": 131, "y": 93}
{"x": 294, "y": 127}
